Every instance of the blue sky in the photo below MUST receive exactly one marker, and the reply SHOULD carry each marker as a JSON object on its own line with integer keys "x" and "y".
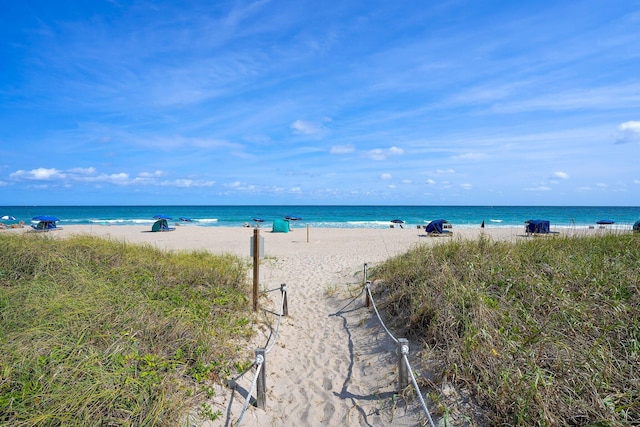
{"x": 320, "y": 102}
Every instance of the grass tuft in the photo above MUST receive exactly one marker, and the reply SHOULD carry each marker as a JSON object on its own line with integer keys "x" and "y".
{"x": 543, "y": 331}
{"x": 98, "y": 332}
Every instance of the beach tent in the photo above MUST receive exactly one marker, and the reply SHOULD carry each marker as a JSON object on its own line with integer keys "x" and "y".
{"x": 161, "y": 225}
{"x": 537, "y": 226}
{"x": 636, "y": 226}
{"x": 436, "y": 226}
{"x": 45, "y": 223}
{"x": 280, "y": 226}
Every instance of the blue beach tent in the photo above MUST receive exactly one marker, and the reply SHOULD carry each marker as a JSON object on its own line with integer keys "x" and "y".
{"x": 436, "y": 226}
{"x": 45, "y": 223}
{"x": 537, "y": 226}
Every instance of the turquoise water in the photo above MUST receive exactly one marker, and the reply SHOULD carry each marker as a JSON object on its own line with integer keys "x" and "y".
{"x": 332, "y": 216}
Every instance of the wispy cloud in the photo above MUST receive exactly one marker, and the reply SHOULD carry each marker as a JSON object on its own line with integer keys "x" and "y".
{"x": 92, "y": 176}
{"x": 384, "y": 153}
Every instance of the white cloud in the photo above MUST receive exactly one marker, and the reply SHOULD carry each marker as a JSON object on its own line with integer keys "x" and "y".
{"x": 386, "y": 176}
{"x": 83, "y": 171}
{"x": 431, "y": 182}
{"x": 39, "y": 174}
{"x": 539, "y": 188}
{"x": 561, "y": 175}
{"x": 91, "y": 175}
{"x": 384, "y": 154}
{"x": 302, "y": 127}
{"x": 632, "y": 126}
{"x": 466, "y": 186}
{"x": 155, "y": 174}
{"x": 191, "y": 183}
{"x": 445, "y": 171}
{"x": 628, "y": 132}
{"x": 342, "y": 149}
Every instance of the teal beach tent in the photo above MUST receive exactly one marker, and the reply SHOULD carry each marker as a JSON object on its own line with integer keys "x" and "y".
{"x": 280, "y": 226}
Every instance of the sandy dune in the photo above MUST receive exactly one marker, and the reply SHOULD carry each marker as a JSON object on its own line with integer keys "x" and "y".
{"x": 332, "y": 364}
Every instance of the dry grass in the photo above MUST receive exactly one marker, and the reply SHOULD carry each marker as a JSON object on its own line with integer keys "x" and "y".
{"x": 543, "y": 332}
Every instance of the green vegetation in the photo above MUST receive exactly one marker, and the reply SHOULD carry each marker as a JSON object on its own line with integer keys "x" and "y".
{"x": 544, "y": 331}
{"x": 98, "y": 332}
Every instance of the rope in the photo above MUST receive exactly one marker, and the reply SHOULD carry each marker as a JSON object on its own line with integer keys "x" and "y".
{"x": 405, "y": 350}
{"x": 259, "y": 361}
{"x": 368, "y": 288}
{"x": 284, "y": 293}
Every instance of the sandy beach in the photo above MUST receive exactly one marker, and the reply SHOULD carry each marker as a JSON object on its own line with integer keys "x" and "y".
{"x": 328, "y": 366}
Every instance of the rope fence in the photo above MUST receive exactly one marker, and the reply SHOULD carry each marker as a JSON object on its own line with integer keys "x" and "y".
{"x": 402, "y": 350}
{"x": 259, "y": 379}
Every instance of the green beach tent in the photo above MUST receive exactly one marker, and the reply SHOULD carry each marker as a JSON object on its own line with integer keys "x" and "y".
{"x": 280, "y": 226}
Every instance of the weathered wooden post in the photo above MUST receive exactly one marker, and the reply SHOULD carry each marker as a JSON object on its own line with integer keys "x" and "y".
{"x": 261, "y": 386}
{"x": 256, "y": 267}
{"x": 366, "y": 267}
{"x": 307, "y": 233}
{"x": 367, "y": 299}
{"x": 403, "y": 374}
{"x": 285, "y": 305}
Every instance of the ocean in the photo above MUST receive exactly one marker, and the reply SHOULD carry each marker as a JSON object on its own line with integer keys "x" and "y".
{"x": 332, "y": 216}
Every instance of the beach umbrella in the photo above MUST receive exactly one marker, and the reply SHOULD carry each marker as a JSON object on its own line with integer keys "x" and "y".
{"x": 161, "y": 217}
{"x": 292, "y": 218}
{"x": 8, "y": 218}
{"x": 185, "y": 219}
{"x": 605, "y": 222}
{"x": 258, "y": 219}
{"x": 398, "y": 221}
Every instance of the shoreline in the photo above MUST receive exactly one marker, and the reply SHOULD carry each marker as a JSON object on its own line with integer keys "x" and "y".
{"x": 299, "y": 240}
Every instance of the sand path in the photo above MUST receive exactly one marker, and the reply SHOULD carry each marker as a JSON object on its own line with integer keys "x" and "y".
{"x": 331, "y": 364}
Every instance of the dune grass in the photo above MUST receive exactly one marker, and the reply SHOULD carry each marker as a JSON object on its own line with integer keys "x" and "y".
{"x": 98, "y": 332}
{"x": 543, "y": 332}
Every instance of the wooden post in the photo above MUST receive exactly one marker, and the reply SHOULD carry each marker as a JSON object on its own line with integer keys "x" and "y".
{"x": 365, "y": 272}
{"x": 403, "y": 375}
{"x": 307, "y": 233}
{"x": 261, "y": 386}
{"x": 256, "y": 267}
{"x": 367, "y": 299}
{"x": 285, "y": 305}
